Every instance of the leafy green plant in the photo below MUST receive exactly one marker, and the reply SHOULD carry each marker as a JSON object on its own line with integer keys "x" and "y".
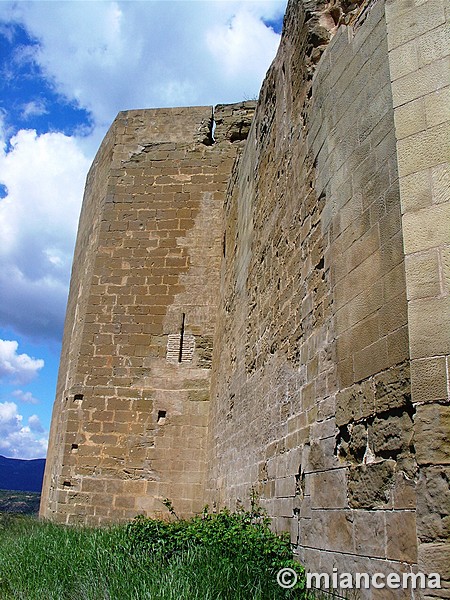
{"x": 243, "y": 534}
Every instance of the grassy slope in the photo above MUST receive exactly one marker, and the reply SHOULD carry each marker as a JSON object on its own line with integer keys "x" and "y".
{"x": 42, "y": 560}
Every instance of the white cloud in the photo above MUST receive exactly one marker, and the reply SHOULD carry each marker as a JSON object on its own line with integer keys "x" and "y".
{"x": 44, "y": 176}
{"x": 19, "y": 367}
{"x": 146, "y": 54}
{"x": 35, "y": 425}
{"x": 243, "y": 47}
{"x": 8, "y": 413}
{"x": 18, "y": 440}
{"x": 106, "y": 56}
{"x": 25, "y": 397}
{"x": 34, "y": 108}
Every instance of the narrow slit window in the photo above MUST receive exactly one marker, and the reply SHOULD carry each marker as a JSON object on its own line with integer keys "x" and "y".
{"x": 180, "y": 352}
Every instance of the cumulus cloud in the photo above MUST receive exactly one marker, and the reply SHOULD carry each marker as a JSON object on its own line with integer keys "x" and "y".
{"x": 105, "y": 57}
{"x": 241, "y": 44}
{"x": 143, "y": 54}
{"x": 8, "y": 413}
{"x": 21, "y": 368}
{"x": 18, "y": 440}
{"x": 25, "y": 397}
{"x": 44, "y": 177}
{"x": 35, "y": 425}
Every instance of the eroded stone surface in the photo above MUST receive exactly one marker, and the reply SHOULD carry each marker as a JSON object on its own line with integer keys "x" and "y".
{"x": 370, "y": 485}
{"x": 247, "y": 314}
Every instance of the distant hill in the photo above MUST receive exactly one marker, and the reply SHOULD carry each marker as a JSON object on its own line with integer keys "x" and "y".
{"x": 25, "y": 503}
{"x": 21, "y": 475}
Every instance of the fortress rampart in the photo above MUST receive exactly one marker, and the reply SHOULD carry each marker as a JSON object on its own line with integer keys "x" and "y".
{"x": 260, "y": 299}
{"x": 132, "y": 402}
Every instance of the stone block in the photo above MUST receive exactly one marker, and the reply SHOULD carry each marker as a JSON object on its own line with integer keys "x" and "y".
{"x": 393, "y": 572}
{"x": 433, "y": 503}
{"x": 306, "y": 531}
{"x": 304, "y": 507}
{"x": 410, "y": 118}
{"x": 394, "y": 283}
{"x": 355, "y": 449}
{"x": 432, "y": 439}
{"x": 354, "y": 403}
{"x": 285, "y": 487}
{"x": 370, "y": 533}
{"x": 435, "y": 558}
{"x": 404, "y": 492}
{"x": 429, "y": 379}
{"x": 392, "y": 388}
{"x": 360, "y": 307}
{"x": 371, "y": 360}
{"x": 422, "y": 273}
{"x": 412, "y": 22}
{"x": 125, "y": 502}
{"x": 424, "y": 149}
{"x": 415, "y": 191}
{"x": 429, "y": 324}
{"x": 370, "y": 485}
{"x": 437, "y": 107}
{"x": 421, "y": 82}
{"x": 403, "y": 60}
{"x": 391, "y": 435}
{"x": 136, "y": 487}
{"x": 401, "y": 540}
{"x": 445, "y": 262}
{"x": 283, "y": 507}
{"x": 322, "y": 456}
{"x": 329, "y": 489}
{"x": 393, "y": 315}
{"x": 105, "y": 500}
{"x": 327, "y": 407}
{"x": 93, "y": 485}
{"x": 147, "y": 505}
{"x": 360, "y": 336}
{"x": 440, "y": 183}
{"x": 198, "y": 395}
{"x": 337, "y": 530}
{"x": 434, "y": 45}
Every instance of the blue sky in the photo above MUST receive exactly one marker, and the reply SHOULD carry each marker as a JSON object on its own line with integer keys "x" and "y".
{"x": 66, "y": 69}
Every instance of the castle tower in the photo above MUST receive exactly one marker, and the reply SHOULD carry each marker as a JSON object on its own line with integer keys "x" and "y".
{"x": 131, "y": 408}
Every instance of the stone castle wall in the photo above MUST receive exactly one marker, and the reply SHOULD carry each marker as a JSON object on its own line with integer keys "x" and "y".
{"x": 274, "y": 313}
{"x": 312, "y": 399}
{"x": 330, "y": 392}
{"x": 130, "y": 417}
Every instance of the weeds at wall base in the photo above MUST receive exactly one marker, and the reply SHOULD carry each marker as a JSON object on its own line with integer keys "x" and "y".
{"x": 209, "y": 557}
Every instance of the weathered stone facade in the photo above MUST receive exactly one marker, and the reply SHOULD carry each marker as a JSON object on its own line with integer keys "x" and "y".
{"x": 129, "y": 426}
{"x": 274, "y": 313}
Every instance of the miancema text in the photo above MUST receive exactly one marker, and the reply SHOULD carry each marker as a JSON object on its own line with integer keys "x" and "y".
{"x": 375, "y": 580}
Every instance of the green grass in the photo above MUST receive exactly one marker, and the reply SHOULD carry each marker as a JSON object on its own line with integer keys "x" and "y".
{"x": 40, "y": 560}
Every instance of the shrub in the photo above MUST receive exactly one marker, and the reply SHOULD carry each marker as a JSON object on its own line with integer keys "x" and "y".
{"x": 224, "y": 555}
{"x": 243, "y": 535}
